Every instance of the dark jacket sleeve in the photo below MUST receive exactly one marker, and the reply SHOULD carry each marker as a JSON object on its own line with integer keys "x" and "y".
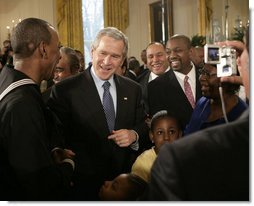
{"x": 29, "y": 156}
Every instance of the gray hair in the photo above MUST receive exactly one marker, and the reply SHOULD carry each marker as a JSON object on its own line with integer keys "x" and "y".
{"x": 72, "y": 57}
{"x": 113, "y": 33}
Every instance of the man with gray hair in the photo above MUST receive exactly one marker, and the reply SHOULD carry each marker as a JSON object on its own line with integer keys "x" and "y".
{"x": 102, "y": 116}
{"x": 68, "y": 64}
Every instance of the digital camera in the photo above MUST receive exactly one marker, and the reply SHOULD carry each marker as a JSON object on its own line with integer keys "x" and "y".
{"x": 224, "y": 57}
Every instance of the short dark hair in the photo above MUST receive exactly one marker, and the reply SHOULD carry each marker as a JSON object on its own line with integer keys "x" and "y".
{"x": 27, "y": 36}
{"x": 138, "y": 186}
{"x": 133, "y": 64}
{"x": 155, "y": 42}
{"x": 183, "y": 37}
{"x": 164, "y": 114}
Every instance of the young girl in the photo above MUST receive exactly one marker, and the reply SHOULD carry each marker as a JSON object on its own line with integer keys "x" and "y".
{"x": 164, "y": 128}
{"x": 125, "y": 187}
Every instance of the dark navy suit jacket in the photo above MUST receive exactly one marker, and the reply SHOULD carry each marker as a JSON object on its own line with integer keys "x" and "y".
{"x": 77, "y": 104}
{"x": 165, "y": 93}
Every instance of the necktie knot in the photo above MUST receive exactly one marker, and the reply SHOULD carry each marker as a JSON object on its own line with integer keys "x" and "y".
{"x": 186, "y": 79}
{"x": 106, "y": 85}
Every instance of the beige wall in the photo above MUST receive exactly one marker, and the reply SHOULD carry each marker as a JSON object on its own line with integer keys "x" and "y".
{"x": 138, "y": 31}
{"x": 236, "y": 8}
{"x": 20, "y": 9}
{"x": 185, "y": 17}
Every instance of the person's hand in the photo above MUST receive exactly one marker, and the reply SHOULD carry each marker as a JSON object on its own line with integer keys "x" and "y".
{"x": 242, "y": 63}
{"x": 59, "y": 155}
{"x": 123, "y": 137}
{"x": 232, "y": 79}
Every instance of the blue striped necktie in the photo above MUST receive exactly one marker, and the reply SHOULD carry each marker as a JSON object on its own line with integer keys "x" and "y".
{"x": 108, "y": 106}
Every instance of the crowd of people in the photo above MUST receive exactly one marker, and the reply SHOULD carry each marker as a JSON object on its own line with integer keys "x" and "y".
{"x": 169, "y": 129}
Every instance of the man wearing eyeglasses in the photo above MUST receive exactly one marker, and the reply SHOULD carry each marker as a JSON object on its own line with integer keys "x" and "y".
{"x": 67, "y": 66}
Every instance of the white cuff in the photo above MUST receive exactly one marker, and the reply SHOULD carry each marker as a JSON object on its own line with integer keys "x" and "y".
{"x": 135, "y": 145}
{"x": 69, "y": 161}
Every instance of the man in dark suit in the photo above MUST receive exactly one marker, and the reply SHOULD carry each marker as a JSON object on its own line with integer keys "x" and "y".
{"x": 102, "y": 153}
{"x": 210, "y": 165}
{"x": 157, "y": 63}
{"x": 167, "y": 91}
{"x": 133, "y": 68}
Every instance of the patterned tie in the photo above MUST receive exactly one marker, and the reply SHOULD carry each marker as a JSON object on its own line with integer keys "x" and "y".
{"x": 188, "y": 92}
{"x": 108, "y": 106}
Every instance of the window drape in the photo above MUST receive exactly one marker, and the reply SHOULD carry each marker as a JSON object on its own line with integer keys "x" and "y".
{"x": 70, "y": 23}
{"x": 204, "y": 17}
{"x": 116, "y": 14}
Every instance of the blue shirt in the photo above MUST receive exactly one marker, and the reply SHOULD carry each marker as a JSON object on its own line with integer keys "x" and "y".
{"x": 202, "y": 111}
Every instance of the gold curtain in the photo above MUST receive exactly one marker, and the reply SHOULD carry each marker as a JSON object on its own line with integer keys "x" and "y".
{"x": 116, "y": 14}
{"x": 70, "y": 23}
{"x": 204, "y": 16}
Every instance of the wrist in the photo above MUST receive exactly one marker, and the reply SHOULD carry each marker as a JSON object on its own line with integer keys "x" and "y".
{"x": 135, "y": 137}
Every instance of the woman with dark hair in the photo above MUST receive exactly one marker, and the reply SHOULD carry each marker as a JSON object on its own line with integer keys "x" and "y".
{"x": 208, "y": 110}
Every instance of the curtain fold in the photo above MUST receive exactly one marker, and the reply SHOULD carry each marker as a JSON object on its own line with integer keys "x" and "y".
{"x": 116, "y": 14}
{"x": 204, "y": 16}
{"x": 70, "y": 23}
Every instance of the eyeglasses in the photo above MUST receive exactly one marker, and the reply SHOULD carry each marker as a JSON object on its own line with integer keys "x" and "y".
{"x": 204, "y": 72}
{"x": 59, "y": 69}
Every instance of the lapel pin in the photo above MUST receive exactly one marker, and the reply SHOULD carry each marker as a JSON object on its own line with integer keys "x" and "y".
{"x": 125, "y": 98}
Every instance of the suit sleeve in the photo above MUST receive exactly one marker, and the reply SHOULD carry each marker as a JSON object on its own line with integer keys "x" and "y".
{"x": 29, "y": 153}
{"x": 155, "y": 103}
{"x": 165, "y": 184}
{"x": 140, "y": 126}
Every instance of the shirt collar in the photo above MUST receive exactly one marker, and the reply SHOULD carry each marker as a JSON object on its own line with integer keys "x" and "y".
{"x": 154, "y": 76}
{"x": 191, "y": 74}
{"x": 99, "y": 81}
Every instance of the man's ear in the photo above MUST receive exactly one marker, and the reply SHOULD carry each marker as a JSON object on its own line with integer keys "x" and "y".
{"x": 42, "y": 50}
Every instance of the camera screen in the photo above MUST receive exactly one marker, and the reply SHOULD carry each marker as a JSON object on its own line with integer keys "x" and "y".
{"x": 213, "y": 54}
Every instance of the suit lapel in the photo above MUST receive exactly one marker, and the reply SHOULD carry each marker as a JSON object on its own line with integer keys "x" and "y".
{"x": 198, "y": 87}
{"x": 178, "y": 89}
{"x": 175, "y": 83}
{"x": 92, "y": 104}
{"x": 122, "y": 101}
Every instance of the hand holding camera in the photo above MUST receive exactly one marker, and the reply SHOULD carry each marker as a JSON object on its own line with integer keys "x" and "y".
{"x": 224, "y": 57}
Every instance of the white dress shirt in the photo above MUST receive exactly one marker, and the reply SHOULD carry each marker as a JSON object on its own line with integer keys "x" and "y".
{"x": 192, "y": 79}
{"x": 100, "y": 89}
{"x": 112, "y": 89}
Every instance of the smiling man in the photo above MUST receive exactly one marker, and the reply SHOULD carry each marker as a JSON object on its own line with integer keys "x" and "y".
{"x": 169, "y": 91}
{"x": 157, "y": 63}
{"x": 105, "y": 145}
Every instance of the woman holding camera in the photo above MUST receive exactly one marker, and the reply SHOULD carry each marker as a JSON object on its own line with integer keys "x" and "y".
{"x": 209, "y": 110}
